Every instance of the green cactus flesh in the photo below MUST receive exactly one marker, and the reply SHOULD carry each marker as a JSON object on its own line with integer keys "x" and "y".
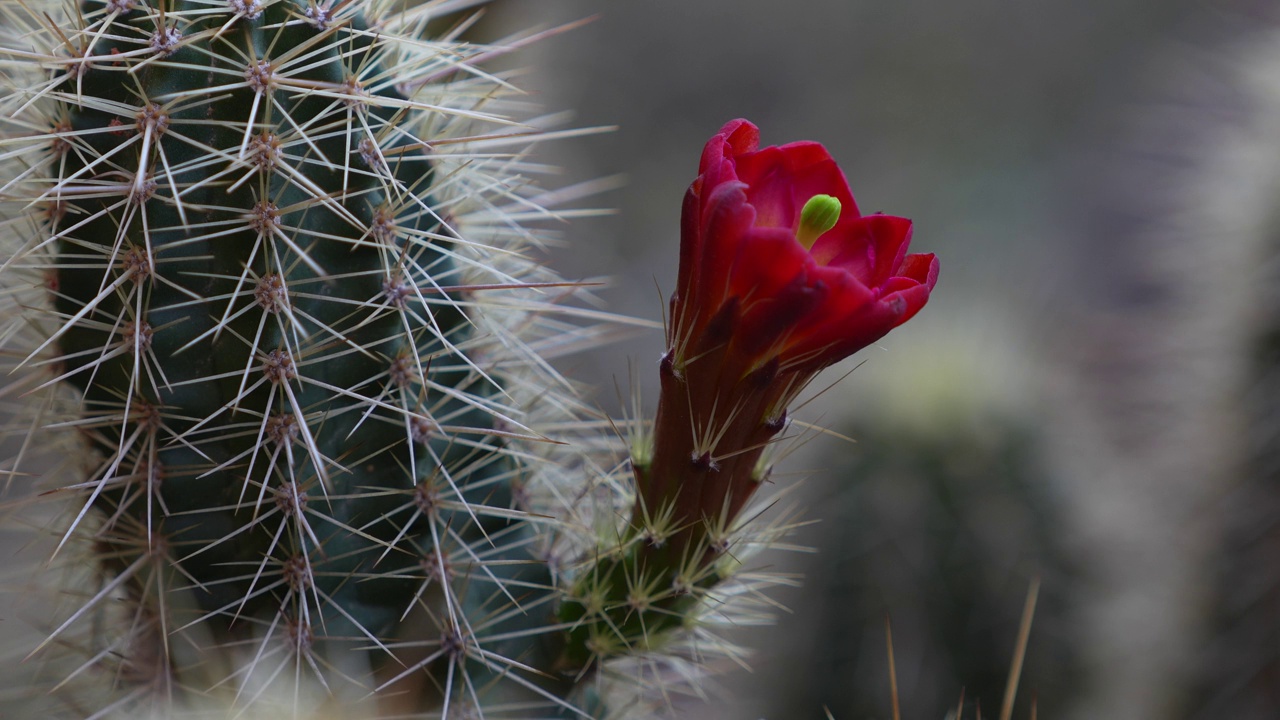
{"x": 260, "y": 300}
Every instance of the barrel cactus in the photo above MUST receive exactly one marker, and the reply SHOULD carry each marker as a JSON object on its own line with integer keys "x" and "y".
{"x": 277, "y": 345}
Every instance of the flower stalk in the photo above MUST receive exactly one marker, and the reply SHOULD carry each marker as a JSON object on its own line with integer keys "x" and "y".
{"x": 780, "y": 277}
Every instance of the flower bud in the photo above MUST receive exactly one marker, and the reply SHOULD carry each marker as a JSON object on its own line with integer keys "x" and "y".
{"x": 780, "y": 276}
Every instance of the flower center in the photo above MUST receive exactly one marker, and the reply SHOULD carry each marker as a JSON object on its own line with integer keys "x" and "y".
{"x": 819, "y": 215}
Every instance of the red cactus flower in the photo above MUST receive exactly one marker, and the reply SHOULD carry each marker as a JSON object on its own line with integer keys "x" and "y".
{"x": 780, "y": 276}
{"x": 811, "y": 288}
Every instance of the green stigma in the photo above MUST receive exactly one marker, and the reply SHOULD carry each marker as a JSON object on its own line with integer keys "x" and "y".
{"x": 819, "y": 215}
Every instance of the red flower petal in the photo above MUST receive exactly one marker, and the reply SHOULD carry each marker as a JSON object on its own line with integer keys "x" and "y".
{"x": 735, "y": 138}
{"x": 781, "y": 180}
{"x": 726, "y": 219}
{"x": 921, "y": 267}
{"x": 923, "y": 270}
{"x": 768, "y": 260}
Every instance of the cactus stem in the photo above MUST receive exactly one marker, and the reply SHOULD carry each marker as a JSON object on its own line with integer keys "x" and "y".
{"x": 299, "y": 326}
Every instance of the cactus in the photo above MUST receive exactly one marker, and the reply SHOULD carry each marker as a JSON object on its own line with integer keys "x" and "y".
{"x": 270, "y": 310}
{"x": 302, "y": 395}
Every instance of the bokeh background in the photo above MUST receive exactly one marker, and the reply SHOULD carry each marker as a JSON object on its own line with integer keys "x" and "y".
{"x": 1090, "y": 397}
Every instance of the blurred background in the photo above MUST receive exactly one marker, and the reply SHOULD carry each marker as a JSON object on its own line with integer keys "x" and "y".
{"x": 1091, "y": 396}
